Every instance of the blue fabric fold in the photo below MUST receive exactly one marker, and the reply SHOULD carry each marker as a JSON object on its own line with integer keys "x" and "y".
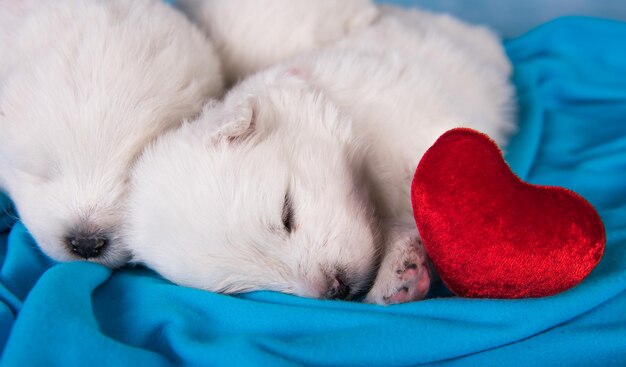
{"x": 571, "y": 81}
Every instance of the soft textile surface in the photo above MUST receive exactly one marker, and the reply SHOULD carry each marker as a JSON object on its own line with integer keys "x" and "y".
{"x": 491, "y": 235}
{"x": 571, "y": 76}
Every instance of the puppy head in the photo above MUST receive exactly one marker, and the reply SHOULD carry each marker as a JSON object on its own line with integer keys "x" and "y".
{"x": 263, "y": 191}
{"x": 67, "y": 181}
{"x": 75, "y": 114}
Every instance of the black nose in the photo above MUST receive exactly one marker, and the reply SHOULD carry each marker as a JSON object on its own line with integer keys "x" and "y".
{"x": 87, "y": 247}
{"x": 338, "y": 289}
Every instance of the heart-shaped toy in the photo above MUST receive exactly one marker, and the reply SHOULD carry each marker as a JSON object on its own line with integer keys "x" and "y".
{"x": 491, "y": 235}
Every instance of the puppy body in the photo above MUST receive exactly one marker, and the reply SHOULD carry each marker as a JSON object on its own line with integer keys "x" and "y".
{"x": 299, "y": 180}
{"x": 86, "y": 85}
{"x": 406, "y": 80}
{"x": 252, "y": 35}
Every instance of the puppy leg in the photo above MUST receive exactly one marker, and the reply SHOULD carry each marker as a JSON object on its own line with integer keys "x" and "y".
{"x": 405, "y": 273}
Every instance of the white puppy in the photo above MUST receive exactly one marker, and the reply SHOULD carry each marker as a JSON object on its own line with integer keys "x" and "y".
{"x": 251, "y": 35}
{"x": 299, "y": 181}
{"x": 84, "y": 86}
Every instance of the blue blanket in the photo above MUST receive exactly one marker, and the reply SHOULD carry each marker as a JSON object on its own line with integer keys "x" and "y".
{"x": 571, "y": 79}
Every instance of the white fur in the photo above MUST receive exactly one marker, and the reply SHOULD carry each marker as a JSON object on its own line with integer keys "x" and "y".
{"x": 251, "y": 35}
{"x": 84, "y": 86}
{"x": 342, "y": 130}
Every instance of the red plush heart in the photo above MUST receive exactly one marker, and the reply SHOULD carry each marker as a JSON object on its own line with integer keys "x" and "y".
{"x": 489, "y": 234}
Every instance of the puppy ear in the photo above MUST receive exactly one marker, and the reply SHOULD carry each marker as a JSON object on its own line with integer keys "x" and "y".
{"x": 239, "y": 124}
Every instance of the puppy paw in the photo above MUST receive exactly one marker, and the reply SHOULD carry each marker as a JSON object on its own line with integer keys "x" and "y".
{"x": 405, "y": 274}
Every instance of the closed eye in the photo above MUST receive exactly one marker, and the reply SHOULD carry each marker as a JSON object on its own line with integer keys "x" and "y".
{"x": 287, "y": 215}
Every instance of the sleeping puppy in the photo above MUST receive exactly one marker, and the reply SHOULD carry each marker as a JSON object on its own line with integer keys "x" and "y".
{"x": 84, "y": 86}
{"x": 299, "y": 180}
{"x": 252, "y": 35}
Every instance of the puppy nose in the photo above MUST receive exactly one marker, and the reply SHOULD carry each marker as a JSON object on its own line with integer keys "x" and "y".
{"x": 338, "y": 289}
{"x": 87, "y": 247}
